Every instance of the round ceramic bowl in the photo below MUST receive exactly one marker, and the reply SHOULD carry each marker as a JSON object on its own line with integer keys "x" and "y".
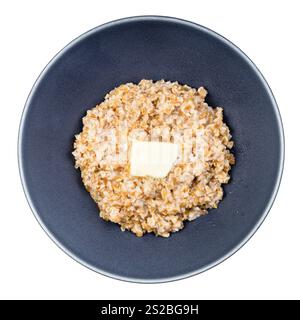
{"x": 129, "y": 50}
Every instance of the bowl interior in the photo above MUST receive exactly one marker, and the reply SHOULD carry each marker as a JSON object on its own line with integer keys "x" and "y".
{"x": 128, "y": 51}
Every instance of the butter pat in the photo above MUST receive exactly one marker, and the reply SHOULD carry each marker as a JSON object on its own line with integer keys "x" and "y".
{"x": 152, "y": 158}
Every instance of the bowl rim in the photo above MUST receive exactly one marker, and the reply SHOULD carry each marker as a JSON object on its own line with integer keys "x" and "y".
{"x": 184, "y": 23}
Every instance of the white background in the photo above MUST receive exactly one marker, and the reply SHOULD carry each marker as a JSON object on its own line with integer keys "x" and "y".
{"x": 32, "y": 266}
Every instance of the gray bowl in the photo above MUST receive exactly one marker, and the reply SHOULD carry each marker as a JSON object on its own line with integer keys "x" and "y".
{"x": 128, "y": 50}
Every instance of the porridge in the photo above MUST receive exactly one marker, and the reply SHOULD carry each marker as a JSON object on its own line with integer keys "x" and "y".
{"x": 147, "y": 198}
